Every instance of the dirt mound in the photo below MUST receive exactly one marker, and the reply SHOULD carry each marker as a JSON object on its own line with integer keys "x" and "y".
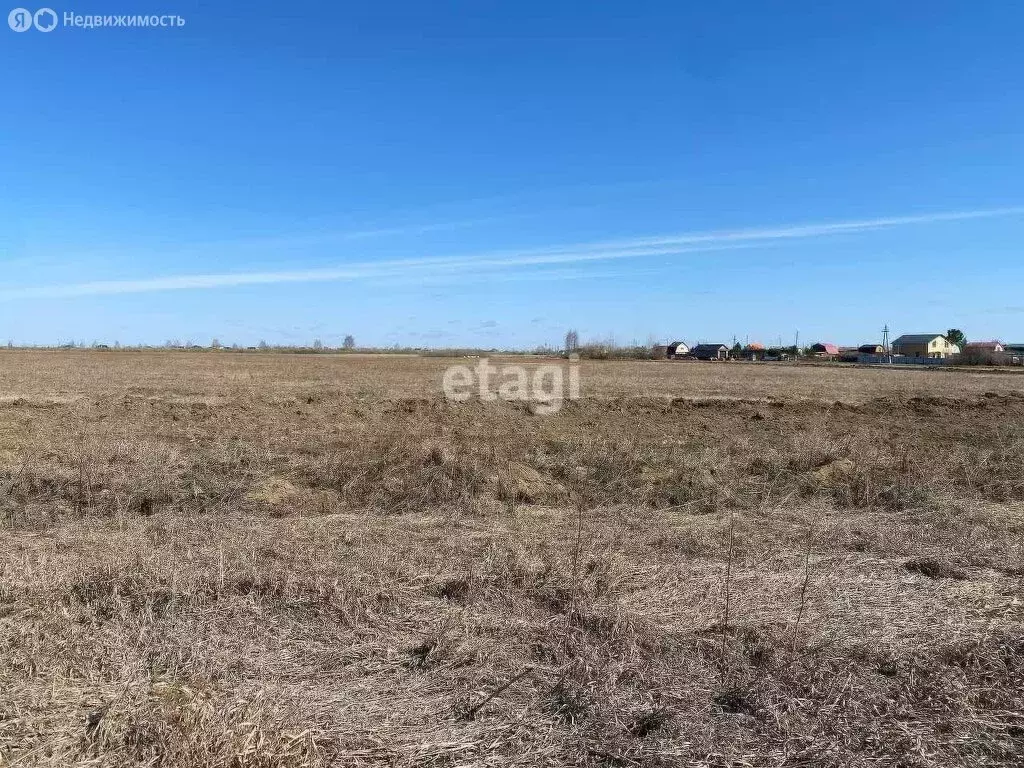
{"x": 935, "y": 569}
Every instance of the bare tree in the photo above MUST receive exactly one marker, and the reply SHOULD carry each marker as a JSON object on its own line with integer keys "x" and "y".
{"x": 572, "y": 340}
{"x": 317, "y": 344}
{"x": 349, "y": 342}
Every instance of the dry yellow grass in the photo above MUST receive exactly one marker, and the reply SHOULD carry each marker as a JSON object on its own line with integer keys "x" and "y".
{"x": 57, "y": 376}
{"x": 280, "y": 560}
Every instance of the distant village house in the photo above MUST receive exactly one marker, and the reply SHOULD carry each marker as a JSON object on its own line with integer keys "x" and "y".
{"x": 677, "y": 349}
{"x": 1014, "y": 353}
{"x": 753, "y": 351}
{"x": 984, "y": 346}
{"x": 710, "y": 352}
{"x": 824, "y": 349}
{"x": 924, "y": 345}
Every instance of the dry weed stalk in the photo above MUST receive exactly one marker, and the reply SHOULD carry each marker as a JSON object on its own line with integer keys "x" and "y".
{"x": 470, "y": 712}
{"x": 803, "y": 591}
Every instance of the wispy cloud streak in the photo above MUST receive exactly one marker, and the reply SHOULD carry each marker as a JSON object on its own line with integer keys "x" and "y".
{"x": 452, "y": 266}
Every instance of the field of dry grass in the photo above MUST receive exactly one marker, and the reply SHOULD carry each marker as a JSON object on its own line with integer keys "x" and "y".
{"x": 281, "y": 560}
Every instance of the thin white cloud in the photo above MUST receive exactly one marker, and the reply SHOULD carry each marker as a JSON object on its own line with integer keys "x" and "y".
{"x": 427, "y": 267}
{"x": 823, "y": 229}
{"x": 450, "y": 266}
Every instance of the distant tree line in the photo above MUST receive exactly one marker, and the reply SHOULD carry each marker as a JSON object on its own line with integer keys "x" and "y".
{"x": 592, "y": 349}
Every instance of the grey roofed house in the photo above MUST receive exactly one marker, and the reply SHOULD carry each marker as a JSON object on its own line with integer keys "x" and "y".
{"x": 924, "y": 345}
{"x": 710, "y": 351}
{"x": 915, "y": 338}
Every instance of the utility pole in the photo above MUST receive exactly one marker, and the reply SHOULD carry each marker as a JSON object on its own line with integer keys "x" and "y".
{"x": 796, "y": 345}
{"x": 885, "y": 343}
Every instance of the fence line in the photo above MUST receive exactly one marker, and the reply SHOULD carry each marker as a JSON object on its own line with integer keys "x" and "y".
{"x": 902, "y": 360}
{"x": 1004, "y": 359}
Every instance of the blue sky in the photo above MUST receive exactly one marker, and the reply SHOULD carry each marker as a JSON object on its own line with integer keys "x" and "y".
{"x": 485, "y": 173}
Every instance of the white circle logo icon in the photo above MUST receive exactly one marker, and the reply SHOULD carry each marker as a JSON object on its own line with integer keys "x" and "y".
{"x": 45, "y": 20}
{"x": 20, "y": 20}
